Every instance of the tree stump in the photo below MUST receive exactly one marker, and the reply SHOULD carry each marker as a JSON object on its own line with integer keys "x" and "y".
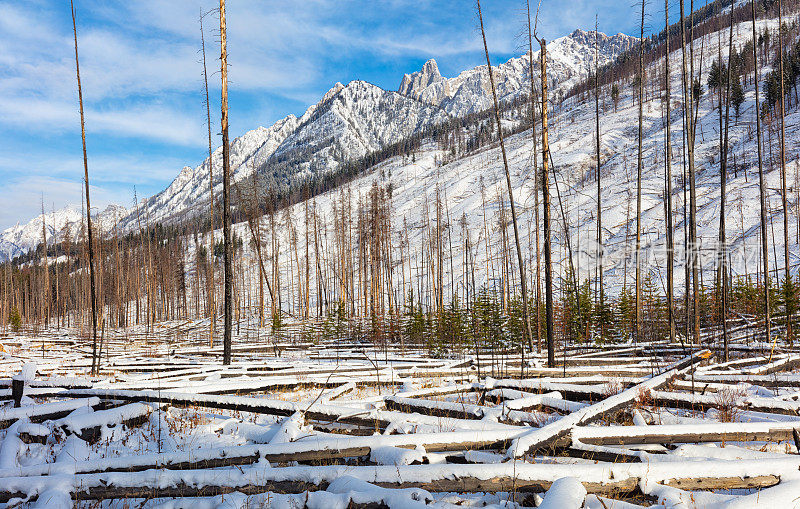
{"x": 17, "y": 388}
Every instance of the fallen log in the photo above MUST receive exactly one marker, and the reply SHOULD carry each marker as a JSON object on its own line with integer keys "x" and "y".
{"x": 89, "y": 426}
{"x": 326, "y": 413}
{"x": 306, "y": 450}
{"x": 454, "y": 409}
{"x": 53, "y": 382}
{"x": 558, "y": 432}
{"x": 519, "y": 400}
{"x": 705, "y": 401}
{"x": 317, "y": 411}
{"x": 570, "y": 391}
{"x": 686, "y": 433}
{"x": 45, "y": 411}
{"x": 504, "y": 477}
{"x": 771, "y": 381}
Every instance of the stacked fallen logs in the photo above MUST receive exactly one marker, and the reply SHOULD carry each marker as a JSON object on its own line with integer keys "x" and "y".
{"x": 509, "y": 437}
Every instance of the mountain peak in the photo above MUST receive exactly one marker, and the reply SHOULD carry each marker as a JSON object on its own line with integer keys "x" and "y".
{"x": 587, "y": 38}
{"x": 332, "y": 92}
{"x": 413, "y": 84}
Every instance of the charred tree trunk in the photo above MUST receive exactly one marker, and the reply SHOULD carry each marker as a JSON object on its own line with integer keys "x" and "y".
{"x": 668, "y": 186}
{"x": 787, "y": 287}
{"x": 687, "y": 106}
{"x": 226, "y": 205}
{"x": 723, "y": 181}
{"x": 522, "y": 277}
{"x": 761, "y": 183}
{"x": 600, "y": 254}
{"x": 548, "y": 248}
{"x": 93, "y": 297}
{"x": 535, "y": 185}
{"x": 638, "y": 304}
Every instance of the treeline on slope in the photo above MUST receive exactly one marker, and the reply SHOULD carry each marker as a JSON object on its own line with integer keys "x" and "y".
{"x": 141, "y": 277}
{"x": 704, "y": 21}
{"x": 791, "y": 73}
{"x": 487, "y": 325}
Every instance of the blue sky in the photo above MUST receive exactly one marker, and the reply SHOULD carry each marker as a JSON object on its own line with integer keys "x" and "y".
{"x": 143, "y": 89}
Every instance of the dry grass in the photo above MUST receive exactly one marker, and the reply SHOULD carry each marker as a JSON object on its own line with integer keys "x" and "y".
{"x": 727, "y": 402}
{"x": 612, "y": 387}
{"x": 644, "y": 398}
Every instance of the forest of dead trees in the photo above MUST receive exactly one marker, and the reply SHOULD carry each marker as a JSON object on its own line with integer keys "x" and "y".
{"x": 351, "y": 269}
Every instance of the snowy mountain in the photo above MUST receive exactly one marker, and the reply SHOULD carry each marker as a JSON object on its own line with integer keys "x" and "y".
{"x": 569, "y": 61}
{"x": 191, "y": 186}
{"x": 352, "y": 120}
{"x": 472, "y": 188}
{"x": 66, "y": 222}
{"x": 349, "y": 122}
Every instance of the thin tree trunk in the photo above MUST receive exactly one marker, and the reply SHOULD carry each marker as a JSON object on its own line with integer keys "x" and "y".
{"x": 212, "y": 286}
{"x": 95, "y": 359}
{"x": 668, "y": 187}
{"x": 638, "y": 304}
{"x": 788, "y": 288}
{"x": 535, "y": 185}
{"x": 548, "y": 248}
{"x": 761, "y": 183}
{"x": 46, "y": 288}
{"x": 510, "y": 190}
{"x": 723, "y": 180}
{"x": 226, "y": 177}
{"x": 687, "y": 106}
{"x": 600, "y": 254}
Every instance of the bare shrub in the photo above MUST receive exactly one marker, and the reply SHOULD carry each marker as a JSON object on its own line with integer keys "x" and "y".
{"x": 644, "y": 398}
{"x": 612, "y": 387}
{"x": 727, "y": 403}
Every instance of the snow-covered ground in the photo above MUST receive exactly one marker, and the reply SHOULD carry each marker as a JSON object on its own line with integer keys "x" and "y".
{"x": 164, "y": 424}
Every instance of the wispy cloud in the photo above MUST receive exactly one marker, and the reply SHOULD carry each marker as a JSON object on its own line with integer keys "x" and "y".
{"x": 141, "y": 71}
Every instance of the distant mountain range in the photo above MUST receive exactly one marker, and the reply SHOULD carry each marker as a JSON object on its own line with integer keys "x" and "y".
{"x": 349, "y": 122}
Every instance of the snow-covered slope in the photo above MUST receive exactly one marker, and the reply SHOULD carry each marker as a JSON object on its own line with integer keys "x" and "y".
{"x": 191, "y": 186}
{"x": 347, "y": 123}
{"x": 19, "y": 239}
{"x": 472, "y": 188}
{"x": 350, "y": 122}
{"x": 569, "y": 60}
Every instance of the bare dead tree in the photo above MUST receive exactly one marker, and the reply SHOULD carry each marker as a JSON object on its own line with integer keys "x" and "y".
{"x": 212, "y": 286}
{"x": 638, "y": 304}
{"x": 687, "y": 106}
{"x": 45, "y": 262}
{"x": 788, "y": 288}
{"x": 522, "y": 278}
{"x": 548, "y": 248}
{"x": 668, "y": 185}
{"x": 95, "y": 358}
{"x": 600, "y": 292}
{"x": 535, "y": 183}
{"x": 761, "y": 183}
{"x": 226, "y": 199}
{"x": 723, "y": 180}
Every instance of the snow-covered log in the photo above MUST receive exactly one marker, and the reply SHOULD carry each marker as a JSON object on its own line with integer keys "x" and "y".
{"x": 558, "y": 431}
{"x": 503, "y": 477}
